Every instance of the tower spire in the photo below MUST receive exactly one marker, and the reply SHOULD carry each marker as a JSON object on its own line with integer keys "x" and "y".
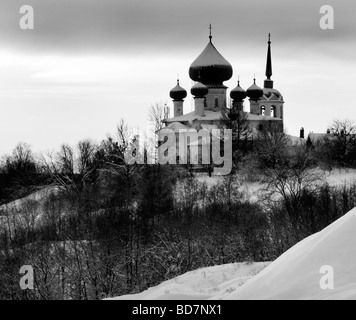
{"x": 268, "y": 82}
{"x": 210, "y": 32}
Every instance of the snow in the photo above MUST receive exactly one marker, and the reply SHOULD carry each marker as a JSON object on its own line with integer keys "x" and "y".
{"x": 201, "y": 284}
{"x": 253, "y": 191}
{"x": 294, "y": 275}
{"x": 339, "y": 177}
{"x": 210, "y": 57}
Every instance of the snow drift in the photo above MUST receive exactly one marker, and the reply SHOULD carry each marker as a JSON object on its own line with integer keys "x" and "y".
{"x": 294, "y": 275}
{"x": 202, "y": 283}
{"x": 297, "y": 273}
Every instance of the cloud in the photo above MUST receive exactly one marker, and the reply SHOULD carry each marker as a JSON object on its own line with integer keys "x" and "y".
{"x": 105, "y": 59}
{"x": 152, "y": 26}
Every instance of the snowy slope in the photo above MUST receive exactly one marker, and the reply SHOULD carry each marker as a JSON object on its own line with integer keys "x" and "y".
{"x": 200, "y": 284}
{"x": 296, "y": 274}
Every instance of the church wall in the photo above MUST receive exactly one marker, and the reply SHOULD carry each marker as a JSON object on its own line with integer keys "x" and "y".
{"x": 216, "y": 93}
{"x": 255, "y": 107}
{"x": 268, "y": 108}
{"x": 269, "y": 125}
{"x": 178, "y": 108}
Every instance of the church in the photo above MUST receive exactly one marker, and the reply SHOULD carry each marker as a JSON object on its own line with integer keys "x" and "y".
{"x": 209, "y": 71}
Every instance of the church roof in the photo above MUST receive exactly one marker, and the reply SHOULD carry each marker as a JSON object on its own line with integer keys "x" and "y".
{"x": 293, "y": 140}
{"x": 210, "y": 67}
{"x": 238, "y": 93}
{"x": 176, "y": 126}
{"x": 178, "y": 93}
{"x": 268, "y": 92}
{"x": 319, "y": 137}
{"x": 215, "y": 115}
{"x": 254, "y": 92}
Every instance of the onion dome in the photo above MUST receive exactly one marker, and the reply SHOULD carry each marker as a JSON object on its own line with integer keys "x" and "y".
{"x": 199, "y": 90}
{"x": 178, "y": 93}
{"x": 238, "y": 94}
{"x": 210, "y": 67}
{"x": 254, "y": 92}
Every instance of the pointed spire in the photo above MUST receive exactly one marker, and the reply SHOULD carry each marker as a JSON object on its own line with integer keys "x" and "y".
{"x": 269, "y": 59}
{"x": 268, "y": 83}
{"x": 210, "y": 32}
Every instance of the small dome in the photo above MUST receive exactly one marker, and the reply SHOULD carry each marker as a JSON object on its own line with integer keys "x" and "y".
{"x": 254, "y": 92}
{"x": 178, "y": 93}
{"x": 199, "y": 90}
{"x": 210, "y": 67}
{"x": 238, "y": 93}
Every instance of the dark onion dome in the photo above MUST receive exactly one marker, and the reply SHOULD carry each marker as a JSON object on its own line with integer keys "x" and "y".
{"x": 178, "y": 93}
{"x": 238, "y": 94}
{"x": 199, "y": 90}
{"x": 210, "y": 67}
{"x": 254, "y": 92}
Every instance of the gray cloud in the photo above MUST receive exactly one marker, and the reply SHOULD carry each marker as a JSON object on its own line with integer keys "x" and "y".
{"x": 141, "y": 27}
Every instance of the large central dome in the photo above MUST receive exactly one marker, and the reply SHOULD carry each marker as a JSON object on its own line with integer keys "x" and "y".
{"x": 210, "y": 68}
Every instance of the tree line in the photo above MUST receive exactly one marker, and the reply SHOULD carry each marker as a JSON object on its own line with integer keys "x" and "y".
{"x": 102, "y": 228}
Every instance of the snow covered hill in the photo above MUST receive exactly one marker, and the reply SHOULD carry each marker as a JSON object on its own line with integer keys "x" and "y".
{"x": 297, "y": 274}
{"x": 203, "y": 283}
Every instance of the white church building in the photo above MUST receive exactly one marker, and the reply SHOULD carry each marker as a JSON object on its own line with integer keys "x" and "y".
{"x": 209, "y": 71}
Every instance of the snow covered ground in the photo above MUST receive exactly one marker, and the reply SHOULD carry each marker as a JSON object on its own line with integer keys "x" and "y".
{"x": 299, "y": 274}
{"x": 252, "y": 191}
{"x": 203, "y": 283}
{"x": 322, "y": 266}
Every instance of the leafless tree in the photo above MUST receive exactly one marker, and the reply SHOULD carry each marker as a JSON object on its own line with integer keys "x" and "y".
{"x": 236, "y": 120}
{"x": 286, "y": 169}
{"x": 156, "y": 117}
{"x": 85, "y": 158}
{"x": 343, "y": 142}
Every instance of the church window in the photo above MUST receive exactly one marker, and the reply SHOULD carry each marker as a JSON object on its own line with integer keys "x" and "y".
{"x": 216, "y": 102}
{"x": 273, "y": 112}
{"x": 263, "y": 110}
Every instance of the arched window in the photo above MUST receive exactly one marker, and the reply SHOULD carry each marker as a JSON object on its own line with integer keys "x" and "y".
{"x": 216, "y": 102}
{"x": 263, "y": 110}
{"x": 274, "y": 111}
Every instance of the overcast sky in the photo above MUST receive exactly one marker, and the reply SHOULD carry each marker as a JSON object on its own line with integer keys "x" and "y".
{"x": 89, "y": 63}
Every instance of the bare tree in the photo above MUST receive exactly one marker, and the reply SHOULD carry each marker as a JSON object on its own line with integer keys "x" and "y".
{"x": 85, "y": 159}
{"x": 156, "y": 117}
{"x": 236, "y": 120}
{"x": 123, "y": 134}
{"x": 343, "y": 142}
{"x": 286, "y": 170}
